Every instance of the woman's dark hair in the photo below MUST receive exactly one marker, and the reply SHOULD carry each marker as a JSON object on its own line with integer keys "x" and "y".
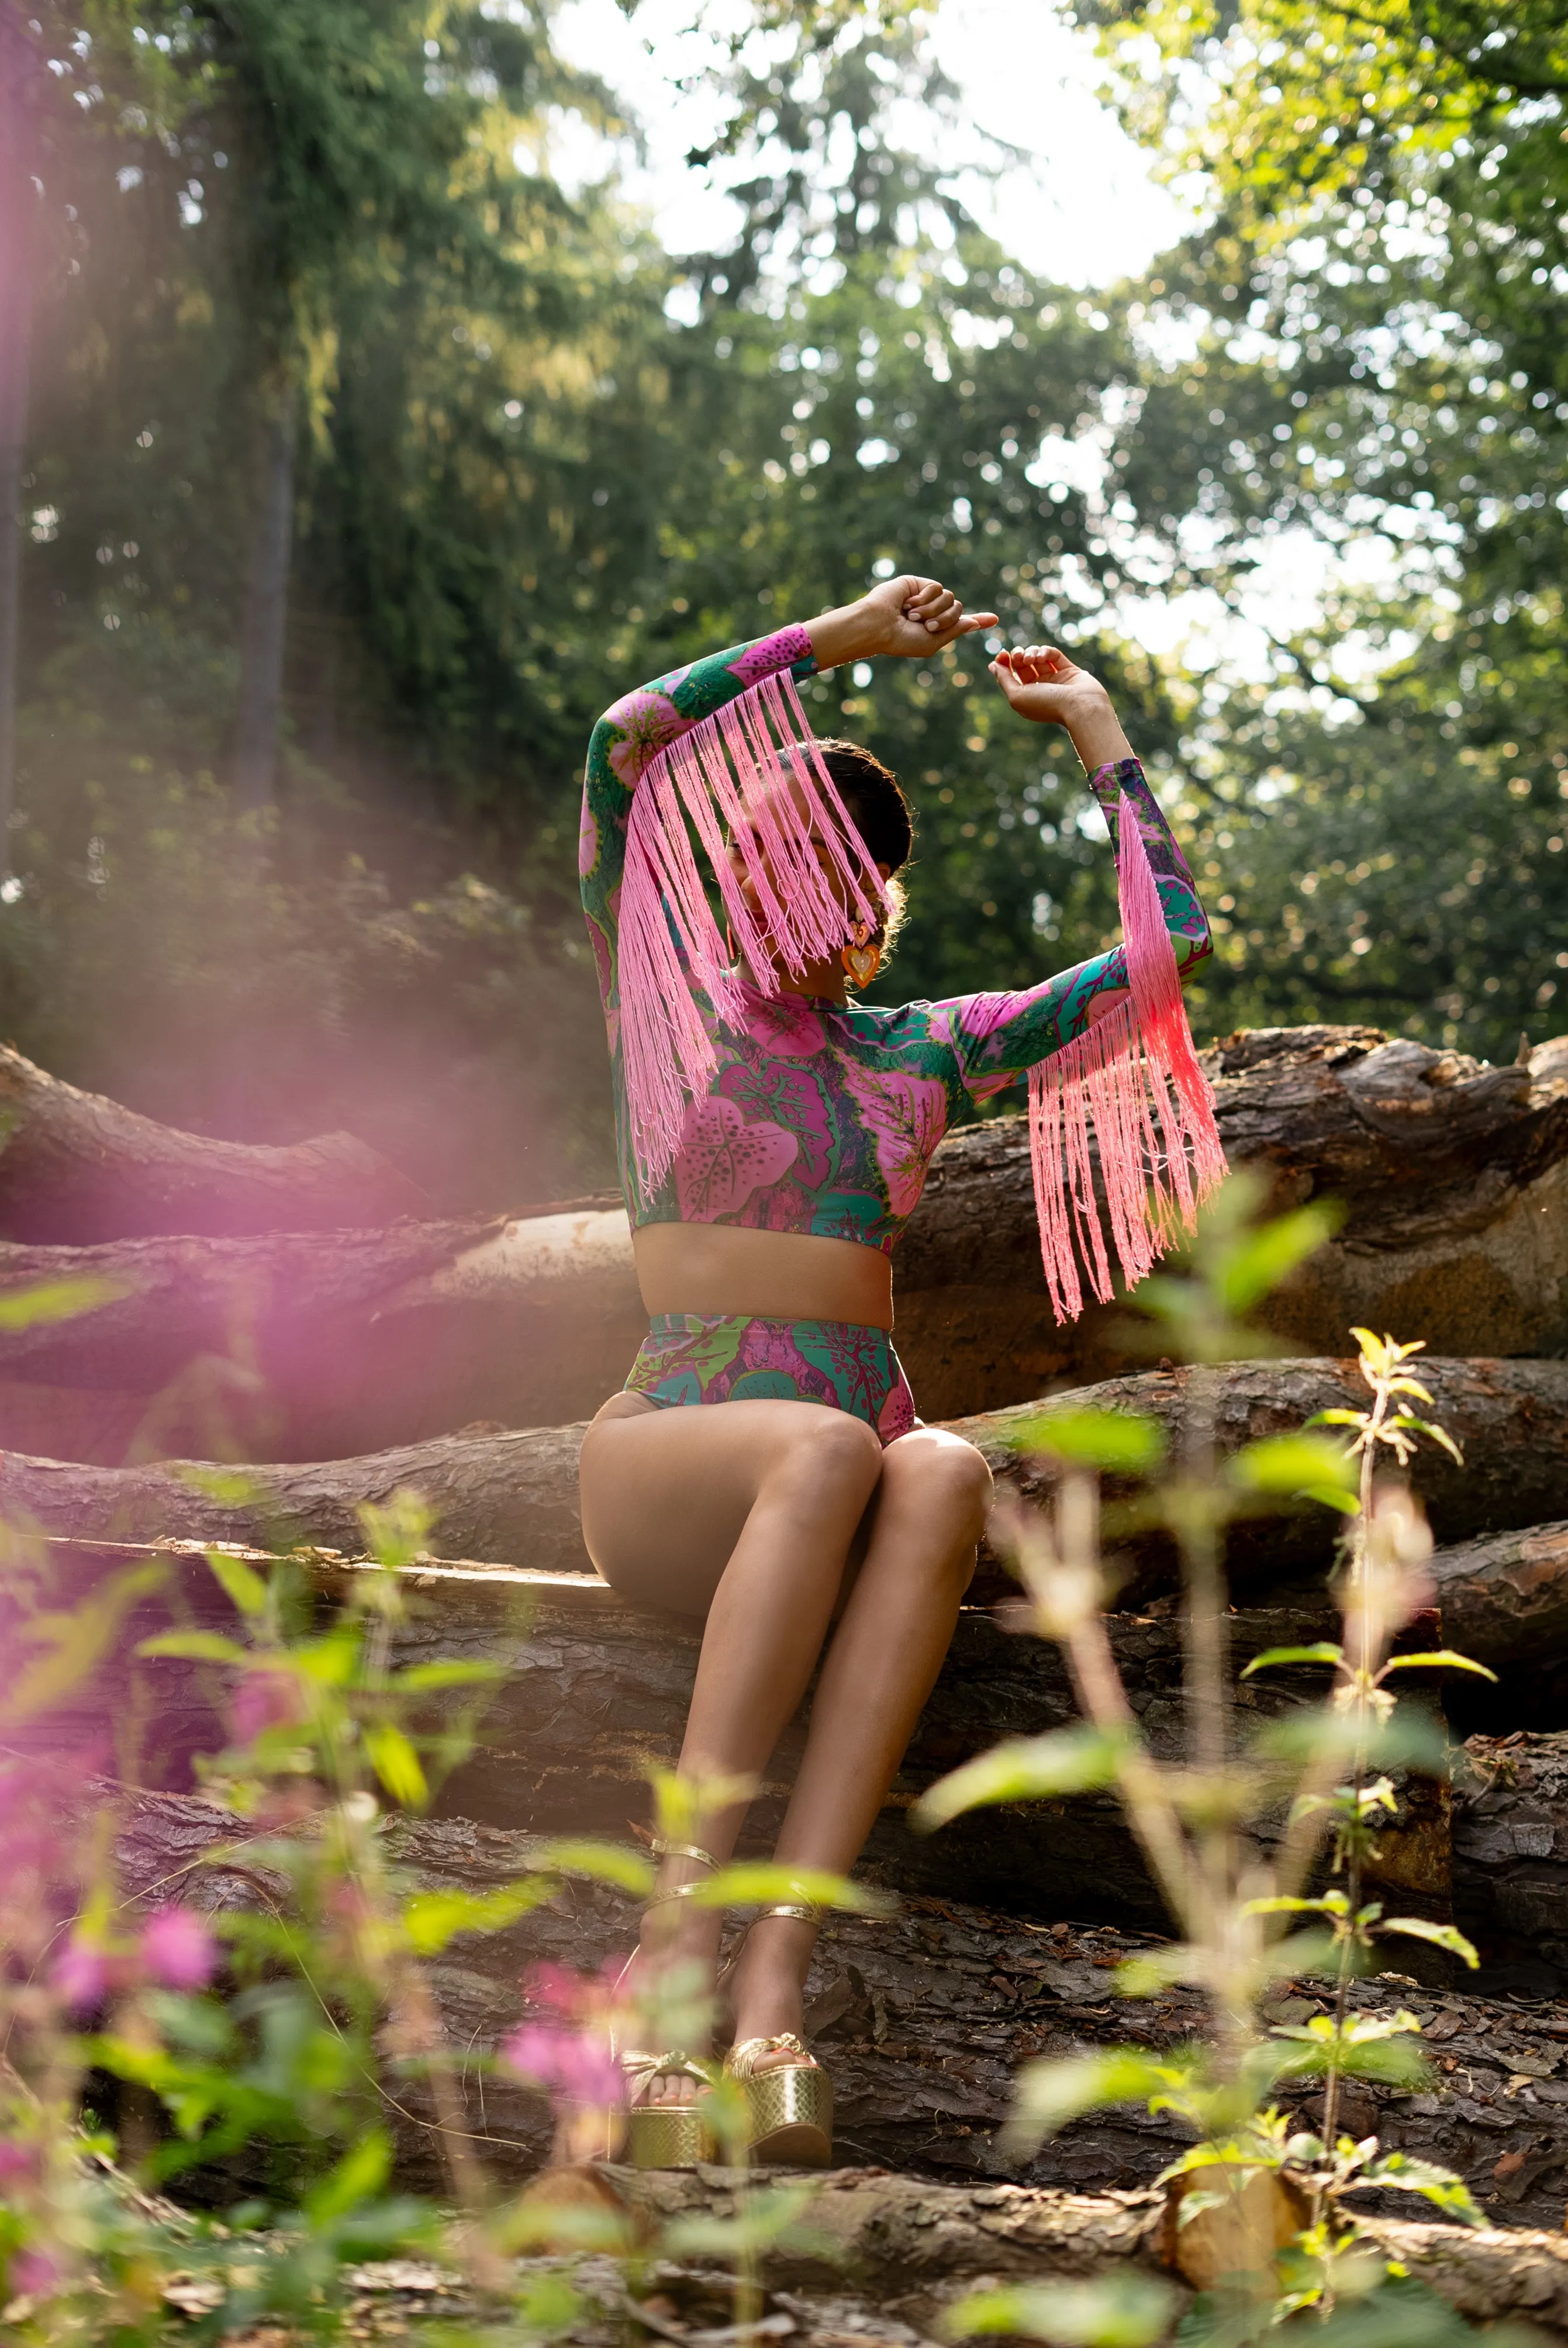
{"x": 876, "y": 803}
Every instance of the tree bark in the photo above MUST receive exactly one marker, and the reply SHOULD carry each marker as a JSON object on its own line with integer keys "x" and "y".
{"x": 1511, "y": 1839}
{"x": 77, "y": 1169}
{"x": 511, "y": 1497}
{"x": 19, "y": 72}
{"x": 266, "y": 606}
{"x": 1458, "y": 1231}
{"x": 349, "y": 1339}
{"x": 923, "y": 2018}
{"x": 592, "y": 1697}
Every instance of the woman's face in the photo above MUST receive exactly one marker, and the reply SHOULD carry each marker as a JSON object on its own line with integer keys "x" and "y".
{"x": 838, "y": 887}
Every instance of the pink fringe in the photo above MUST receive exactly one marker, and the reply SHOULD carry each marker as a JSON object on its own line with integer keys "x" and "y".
{"x": 1132, "y": 1080}
{"x": 724, "y": 775}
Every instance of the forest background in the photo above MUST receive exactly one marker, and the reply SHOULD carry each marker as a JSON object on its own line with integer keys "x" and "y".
{"x": 361, "y": 454}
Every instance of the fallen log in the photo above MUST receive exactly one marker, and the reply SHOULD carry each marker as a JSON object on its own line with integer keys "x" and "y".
{"x": 1454, "y": 1175}
{"x": 924, "y": 2018}
{"x": 512, "y": 1497}
{"x": 75, "y": 1168}
{"x": 592, "y": 1699}
{"x": 1511, "y": 1838}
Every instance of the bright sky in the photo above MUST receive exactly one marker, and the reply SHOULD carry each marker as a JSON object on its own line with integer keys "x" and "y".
{"x": 1083, "y": 208}
{"x": 1082, "y": 205}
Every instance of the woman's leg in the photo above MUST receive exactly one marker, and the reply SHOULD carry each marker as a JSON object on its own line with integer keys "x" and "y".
{"x": 745, "y": 1512}
{"x": 751, "y": 1509}
{"x": 886, "y": 1652}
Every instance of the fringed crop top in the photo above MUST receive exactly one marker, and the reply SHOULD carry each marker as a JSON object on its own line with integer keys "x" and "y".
{"x": 823, "y": 1117}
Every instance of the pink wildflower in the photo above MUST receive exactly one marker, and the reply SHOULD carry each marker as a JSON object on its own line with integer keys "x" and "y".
{"x": 264, "y": 1699}
{"x": 35, "y": 2274}
{"x": 177, "y": 1950}
{"x": 81, "y": 1974}
{"x": 573, "y": 2066}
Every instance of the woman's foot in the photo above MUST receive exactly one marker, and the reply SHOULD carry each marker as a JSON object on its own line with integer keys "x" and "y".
{"x": 674, "y": 1972}
{"x": 767, "y": 1996}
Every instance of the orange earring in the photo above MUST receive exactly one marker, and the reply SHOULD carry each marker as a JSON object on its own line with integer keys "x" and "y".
{"x": 861, "y": 957}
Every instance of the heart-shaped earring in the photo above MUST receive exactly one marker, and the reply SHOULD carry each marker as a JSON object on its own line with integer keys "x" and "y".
{"x": 861, "y": 957}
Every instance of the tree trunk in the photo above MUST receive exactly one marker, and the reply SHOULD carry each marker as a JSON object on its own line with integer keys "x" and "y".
{"x": 1511, "y": 1848}
{"x": 350, "y": 1340}
{"x": 1505, "y": 1602}
{"x": 19, "y": 71}
{"x": 511, "y": 1497}
{"x": 78, "y": 1168}
{"x": 266, "y": 606}
{"x": 923, "y": 2018}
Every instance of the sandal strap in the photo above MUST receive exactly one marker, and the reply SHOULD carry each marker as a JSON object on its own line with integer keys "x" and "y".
{"x": 682, "y": 1850}
{"x": 640, "y": 2070}
{"x": 802, "y": 1912}
{"x": 675, "y": 1892}
{"x": 741, "y": 2061}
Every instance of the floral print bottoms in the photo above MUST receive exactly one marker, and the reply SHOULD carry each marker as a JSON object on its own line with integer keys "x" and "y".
{"x": 704, "y": 1357}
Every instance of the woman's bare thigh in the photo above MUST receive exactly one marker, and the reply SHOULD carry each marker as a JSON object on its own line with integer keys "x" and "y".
{"x": 667, "y": 1492}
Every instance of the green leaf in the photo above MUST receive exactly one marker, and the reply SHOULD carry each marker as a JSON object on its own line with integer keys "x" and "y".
{"x": 74, "y": 1643}
{"x": 1115, "y": 2310}
{"x": 1116, "y": 1442}
{"x": 397, "y": 1763}
{"x": 358, "y": 2177}
{"x": 1410, "y": 1740}
{"x": 1404, "y": 2174}
{"x": 759, "y": 1883}
{"x": 241, "y": 1581}
{"x": 48, "y": 1301}
{"x": 1440, "y": 1659}
{"x": 1338, "y": 1419}
{"x": 1263, "y": 1259}
{"x": 420, "y": 1678}
{"x": 1322, "y": 1651}
{"x": 767, "y": 2217}
{"x": 606, "y": 1862}
{"x": 1285, "y": 1464}
{"x": 1331, "y": 1903}
{"x": 1425, "y": 1426}
{"x": 195, "y": 1646}
{"x": 230, "y": 1488}
{"x": 1078, "y": 1760}
{"x": 1050, "y": 2095}
{"x": 431, "y": 1918}
{"x": 1441, "y": 1936}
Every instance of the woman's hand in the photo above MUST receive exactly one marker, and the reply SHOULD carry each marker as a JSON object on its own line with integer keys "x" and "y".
{"x": 1043, "y": 684}
{"x": 907, "y": 618}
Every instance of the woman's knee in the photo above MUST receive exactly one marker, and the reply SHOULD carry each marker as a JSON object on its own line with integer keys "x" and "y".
{"x": 943, "y": 1479}
{"x": 828, "y": 1455}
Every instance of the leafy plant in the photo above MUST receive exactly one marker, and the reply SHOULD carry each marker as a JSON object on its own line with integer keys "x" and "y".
{"x": 1250, "y": 2171}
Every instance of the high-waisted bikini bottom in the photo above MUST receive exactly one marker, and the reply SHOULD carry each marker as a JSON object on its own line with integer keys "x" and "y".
{"x": 702, "y": 1357}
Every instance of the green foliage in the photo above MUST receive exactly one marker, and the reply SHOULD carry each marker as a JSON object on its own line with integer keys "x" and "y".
{"x": 1118, "y": 2310}
{"x": 1235, "y": 1893}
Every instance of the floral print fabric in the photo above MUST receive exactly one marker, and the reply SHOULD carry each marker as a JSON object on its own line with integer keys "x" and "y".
{"x": 821, "y": 1117}
{"x": 699, "y": 1357}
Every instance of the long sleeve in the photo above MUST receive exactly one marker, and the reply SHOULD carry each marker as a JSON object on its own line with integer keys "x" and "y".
{"x": 997, "y": 1038}
{"x": 627, "y": 736}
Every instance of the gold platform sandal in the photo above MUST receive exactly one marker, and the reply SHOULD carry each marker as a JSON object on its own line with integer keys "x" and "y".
{"x": 667, "y": 2135}
{"x": 791, "y": 2104}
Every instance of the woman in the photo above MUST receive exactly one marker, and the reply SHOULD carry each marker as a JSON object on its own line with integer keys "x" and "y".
{"x": 763, "y": 1259}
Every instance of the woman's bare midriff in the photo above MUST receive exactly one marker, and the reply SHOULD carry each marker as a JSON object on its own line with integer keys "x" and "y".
{"x": 767, "y": 1275}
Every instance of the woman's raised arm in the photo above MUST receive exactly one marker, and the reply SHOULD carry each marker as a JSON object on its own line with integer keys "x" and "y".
{"x": 999, "y": 1038}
